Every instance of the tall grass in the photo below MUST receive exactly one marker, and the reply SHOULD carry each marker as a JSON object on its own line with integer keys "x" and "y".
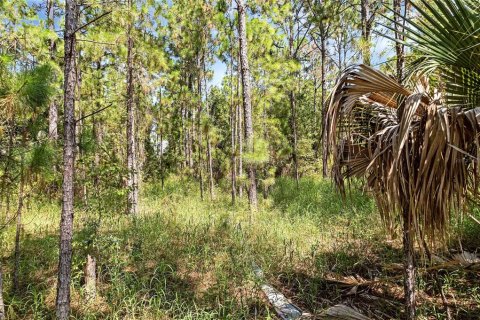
{"x": 183, "y": 258}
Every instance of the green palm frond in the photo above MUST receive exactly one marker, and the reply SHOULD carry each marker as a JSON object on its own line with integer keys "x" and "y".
{"x": 446, "y": 35}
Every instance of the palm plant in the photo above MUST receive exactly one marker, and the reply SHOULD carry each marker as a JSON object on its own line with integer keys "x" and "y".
{"x": 417, "y": 147}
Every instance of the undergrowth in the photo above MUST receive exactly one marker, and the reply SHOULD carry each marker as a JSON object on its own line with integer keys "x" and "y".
{"x": 183, "y": 258}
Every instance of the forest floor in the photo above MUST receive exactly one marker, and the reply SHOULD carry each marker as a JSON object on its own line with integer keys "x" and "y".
{"x": 183, "y": 258}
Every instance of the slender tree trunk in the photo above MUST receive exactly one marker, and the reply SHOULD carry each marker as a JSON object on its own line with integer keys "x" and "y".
{"x": 293, "y": 107}
{"x": 90, "y": 279}
{"x": 97, "y": 134}
{"x": 199, "y": 132}
{"x": 293, "y": 110}
{"x": 399, "y": 48}
{"x": 52, "y": 110}
{"x": 233, "y": 160}
{"x": 132, "y": 183}
{"x": 211, "y": 183}
{"x": 324, "y": 110}
{"x": 66, "y": 224}
{"x": 409, "y": 267}
{"x": 366, "y": 20}
{"x": 247, "y": 103}
{"x": 240, "y": 134}
{"x": 16, "y": 268}
{"x": 2, "y": 304}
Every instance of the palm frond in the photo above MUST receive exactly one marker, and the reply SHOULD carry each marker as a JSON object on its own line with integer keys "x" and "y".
{"x": 446, "y": 36}
{"x": 417, "y": 156}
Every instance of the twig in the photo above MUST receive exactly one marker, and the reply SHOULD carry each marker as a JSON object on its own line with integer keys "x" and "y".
{"x": 96, "y": 42}
{"x": 92, "y": 21}
{"x": 93, "y": 113}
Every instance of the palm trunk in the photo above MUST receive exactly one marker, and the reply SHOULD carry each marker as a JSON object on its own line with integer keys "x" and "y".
{"x": 409, "y": 267}
{"x": 247, "y": 103}
{"x": 131, "y": 143}
{"x": 66, "y": 224}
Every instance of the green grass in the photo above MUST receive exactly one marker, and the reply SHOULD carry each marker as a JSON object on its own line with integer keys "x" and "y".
{"x": 183, "y": 258}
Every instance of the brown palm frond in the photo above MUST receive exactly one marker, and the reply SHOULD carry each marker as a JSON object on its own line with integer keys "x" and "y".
{"x": 419, "y": 158}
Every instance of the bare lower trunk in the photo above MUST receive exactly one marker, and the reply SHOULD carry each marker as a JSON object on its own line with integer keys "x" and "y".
{"x": 132, "y": 183}
{"x": 233, "y": 160}
{"x": 409, "y": 268}
{"x": 2, "y": 305}
{"x": 324, "y": 112}
{"x": 294, "y": 135}
{"x": 16, "y": 268}
{"x": 247, "y": 103}
{"x": 210, "y": 169}
{"x": 240, "y": 149}
{"x": 66, "y": 223}
{"x": 90, "y": 279}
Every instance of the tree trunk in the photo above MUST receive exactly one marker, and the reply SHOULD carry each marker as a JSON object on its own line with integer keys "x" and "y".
{"x": 90, "y": 279}
{"x": 409, "y": 267}
{"x": 211, "y": 182}
{"x": 132, "y": 183}
{"x": 324, "y": 110}
{"x": 247, "y": 103}
{"x": 293, "y": 120}
{"x": 52, "y": 110}
{"x": 2, "y": 304}
{"x": 97, "y": 134}
{"x": 233, "y": 160}
{"x": 399, "y": 48}
{"x": 66, "y": 224}
{"x": 16, "y": 268}
{"x": 240, "y": 134}
{"x": 293, "y": 108}
{"x": 199, "y": 132}
{"x": 366, "y": 20}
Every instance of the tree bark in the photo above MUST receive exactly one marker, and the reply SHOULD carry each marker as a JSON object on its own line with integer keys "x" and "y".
{"x": 247, "y": 103}
{"x": 16, "y": 268}
{"x": 52, "y": 110}
{"x": 399, "y": 48}
{"x": 2, "y": 304}
{"x": 367, "y": 21}
{"x": 132, "y": 179}
{"x": 293, "y": 110}
{"x": 66, "y": 223}
{"x": 293, "y": 107}
{"x": 199, "y": 132}
{"x": 90, "y": 279}
{"x": 233, "y": 160}
{"x": 409, "y": 267}
{"x": 97, "y": 133}
{"x": 323, "y": 53}
{"x": 240, "y": 134}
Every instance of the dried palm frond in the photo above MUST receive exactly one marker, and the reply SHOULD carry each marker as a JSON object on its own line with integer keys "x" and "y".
{"x": 418, "y": 157}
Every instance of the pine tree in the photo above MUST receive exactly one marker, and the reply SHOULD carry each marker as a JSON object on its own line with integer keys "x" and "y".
{"x": 66, "y": 224}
